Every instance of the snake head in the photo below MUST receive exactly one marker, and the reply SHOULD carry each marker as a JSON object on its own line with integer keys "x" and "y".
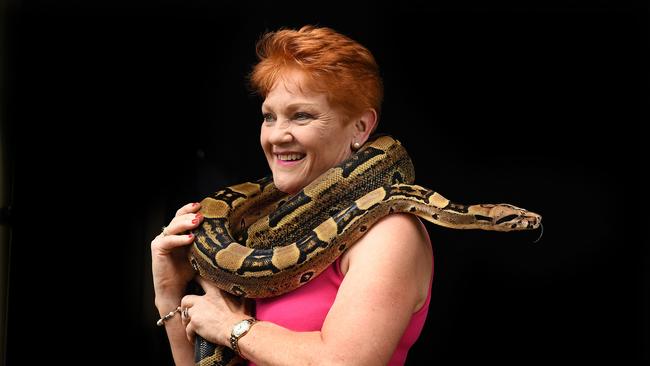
{"x": 508, "y": 217}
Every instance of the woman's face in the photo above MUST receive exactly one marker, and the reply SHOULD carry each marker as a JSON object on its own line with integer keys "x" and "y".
{"x": 302, "y": 135}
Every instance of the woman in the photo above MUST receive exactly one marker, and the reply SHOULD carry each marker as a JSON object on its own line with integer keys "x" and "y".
{"x": 322, "y": 94}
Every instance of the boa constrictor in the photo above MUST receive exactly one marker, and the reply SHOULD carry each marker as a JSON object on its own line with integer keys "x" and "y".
{"x": 256, "y": 241}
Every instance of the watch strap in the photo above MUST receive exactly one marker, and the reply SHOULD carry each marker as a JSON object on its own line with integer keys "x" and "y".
{"x": 234, "y": 340}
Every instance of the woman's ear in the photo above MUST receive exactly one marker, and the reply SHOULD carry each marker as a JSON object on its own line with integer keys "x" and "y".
{"x": 364, "y": 125}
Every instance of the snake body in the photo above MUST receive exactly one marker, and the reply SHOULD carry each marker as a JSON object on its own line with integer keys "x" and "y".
{"x": 257, "y": 241}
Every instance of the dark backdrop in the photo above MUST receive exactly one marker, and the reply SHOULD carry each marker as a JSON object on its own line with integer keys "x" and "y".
{"x": 120, "y": 112}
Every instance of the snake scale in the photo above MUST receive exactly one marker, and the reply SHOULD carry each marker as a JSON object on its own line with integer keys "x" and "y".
{"x": 257, "y": 241}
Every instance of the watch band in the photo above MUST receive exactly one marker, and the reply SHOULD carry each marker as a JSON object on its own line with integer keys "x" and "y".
{"x": 234, "y": 338}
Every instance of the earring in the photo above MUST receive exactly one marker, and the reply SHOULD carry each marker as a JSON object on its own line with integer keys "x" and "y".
{"x": 356, "y": 146}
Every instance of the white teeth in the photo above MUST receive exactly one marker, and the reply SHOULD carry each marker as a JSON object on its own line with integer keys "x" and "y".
{"x": 290, "y": 157}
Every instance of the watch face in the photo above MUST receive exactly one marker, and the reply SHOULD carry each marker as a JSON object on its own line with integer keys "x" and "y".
{"x": 240, "y": 328}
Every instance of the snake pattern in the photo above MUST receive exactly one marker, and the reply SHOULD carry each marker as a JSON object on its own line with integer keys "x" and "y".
{"x": 256, "y": 241}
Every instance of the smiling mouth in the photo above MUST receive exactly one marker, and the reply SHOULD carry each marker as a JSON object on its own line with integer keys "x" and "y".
{"x": 288, "y": 158}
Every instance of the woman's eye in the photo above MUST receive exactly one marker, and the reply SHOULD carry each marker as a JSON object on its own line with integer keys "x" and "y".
{"x": 268, "y": 117}
{"x": 302, "y": 116}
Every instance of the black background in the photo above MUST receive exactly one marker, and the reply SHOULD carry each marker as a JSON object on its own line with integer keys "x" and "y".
{"x": 117, "y": 113}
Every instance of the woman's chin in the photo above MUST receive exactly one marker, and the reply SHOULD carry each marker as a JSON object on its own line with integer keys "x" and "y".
{"x": 287, "y": 185}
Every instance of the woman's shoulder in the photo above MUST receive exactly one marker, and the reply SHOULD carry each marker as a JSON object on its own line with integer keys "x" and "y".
{"x": 395, "y": 256}
{"x": 395, "y": 238}
{"x": 400, "y": 222}
{"x": 402, "y": 228}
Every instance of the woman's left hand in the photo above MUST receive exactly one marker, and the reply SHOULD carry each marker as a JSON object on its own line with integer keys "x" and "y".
{"x": 213, "y": 314}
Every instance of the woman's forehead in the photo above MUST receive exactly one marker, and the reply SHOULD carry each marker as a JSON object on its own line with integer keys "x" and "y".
{"x": 291, "y": 89}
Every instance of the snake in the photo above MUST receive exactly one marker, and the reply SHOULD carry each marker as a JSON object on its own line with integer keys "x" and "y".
{"x": 256, "y": 241}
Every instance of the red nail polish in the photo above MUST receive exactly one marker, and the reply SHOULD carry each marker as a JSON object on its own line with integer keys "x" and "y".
{"x": 195, "y": 221}
{"x": 190, "y": 235}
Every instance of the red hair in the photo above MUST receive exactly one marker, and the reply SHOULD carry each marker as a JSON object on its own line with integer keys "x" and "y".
{"x": 334, "y": 64}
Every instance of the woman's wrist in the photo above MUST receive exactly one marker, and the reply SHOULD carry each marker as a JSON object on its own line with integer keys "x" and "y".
{"x": 167, "y": 304}
{"x": 227, "y": 331}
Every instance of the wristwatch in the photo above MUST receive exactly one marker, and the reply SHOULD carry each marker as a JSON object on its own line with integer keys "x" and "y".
{"x": 239, "y": 330}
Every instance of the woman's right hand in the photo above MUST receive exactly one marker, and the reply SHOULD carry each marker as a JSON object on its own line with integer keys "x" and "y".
{"x": 169, "y": 264}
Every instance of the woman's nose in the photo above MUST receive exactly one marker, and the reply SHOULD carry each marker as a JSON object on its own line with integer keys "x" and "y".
{"x": 280, "y": 133}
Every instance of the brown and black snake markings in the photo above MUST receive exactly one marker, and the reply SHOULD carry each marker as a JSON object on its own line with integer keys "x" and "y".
{"x": 284, "y": 242}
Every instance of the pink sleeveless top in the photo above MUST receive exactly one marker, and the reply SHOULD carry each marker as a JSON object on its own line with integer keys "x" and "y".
{"x": 305, "y": 309}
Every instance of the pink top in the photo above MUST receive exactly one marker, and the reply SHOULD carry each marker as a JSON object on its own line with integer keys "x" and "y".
{"x": 305, "y": 309}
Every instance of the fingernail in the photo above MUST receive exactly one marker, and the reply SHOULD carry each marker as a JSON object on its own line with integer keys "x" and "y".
{"x": 190, "y": 235}
{"x": 198, "y": 216}
{"x": 194, "y": 204}
{"x": 195, "y": 221}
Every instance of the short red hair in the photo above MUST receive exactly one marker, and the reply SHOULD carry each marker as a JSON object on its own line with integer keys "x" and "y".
{"x": 334, "y": 64}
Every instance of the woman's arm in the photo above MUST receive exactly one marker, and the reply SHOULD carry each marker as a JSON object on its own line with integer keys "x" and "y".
{"x": 171, "y": 272}
{"x": 387, "y": 277}
{"x": 182, "y": 349}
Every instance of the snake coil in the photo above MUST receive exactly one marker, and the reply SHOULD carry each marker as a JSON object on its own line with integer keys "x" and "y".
{"x": 257, "y": 241}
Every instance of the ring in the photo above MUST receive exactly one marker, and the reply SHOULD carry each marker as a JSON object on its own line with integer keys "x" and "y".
{"x": 185, "y": 314}
{"x": 163, "y": 231}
